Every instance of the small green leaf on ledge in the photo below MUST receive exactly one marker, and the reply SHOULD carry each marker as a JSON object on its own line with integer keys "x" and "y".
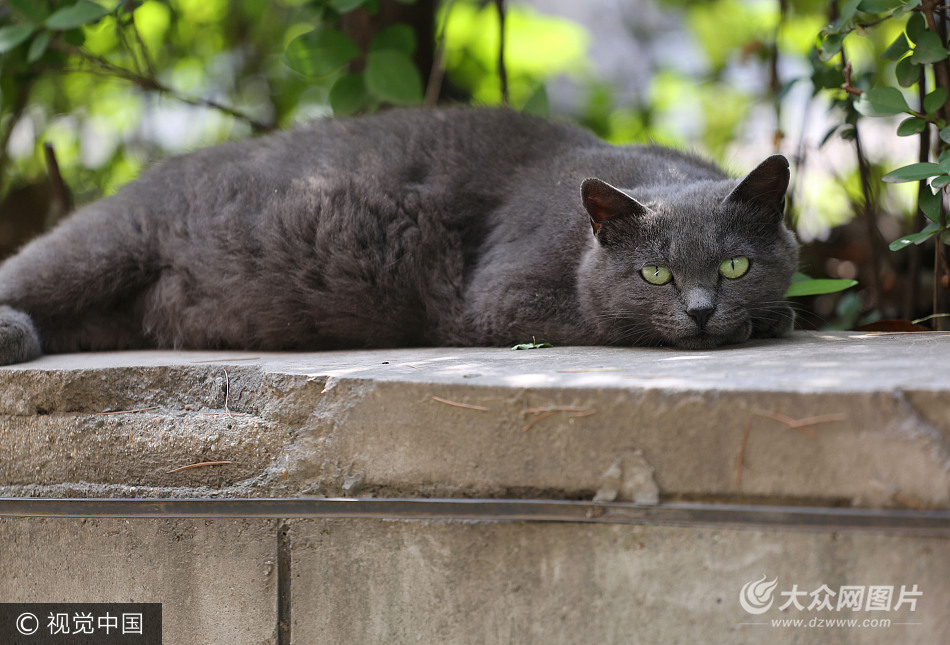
{"x": 534, "y": 344}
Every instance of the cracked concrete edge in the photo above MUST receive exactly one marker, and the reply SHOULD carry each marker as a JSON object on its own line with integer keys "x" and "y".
{"x": 297, "y": 434}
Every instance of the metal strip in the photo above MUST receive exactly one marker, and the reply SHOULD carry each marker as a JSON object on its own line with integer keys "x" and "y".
{"x": 934, "y": 522}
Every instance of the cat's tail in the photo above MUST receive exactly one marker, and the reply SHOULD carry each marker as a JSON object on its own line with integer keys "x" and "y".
{"x": 19, "y": 338}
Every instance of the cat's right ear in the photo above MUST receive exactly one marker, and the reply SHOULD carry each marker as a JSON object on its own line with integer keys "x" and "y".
{"x": 764, "y": 187}
{"x": 605, "y": 203}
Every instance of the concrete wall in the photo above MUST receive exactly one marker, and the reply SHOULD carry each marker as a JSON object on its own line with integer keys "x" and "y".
{"x": 654, "y": 427}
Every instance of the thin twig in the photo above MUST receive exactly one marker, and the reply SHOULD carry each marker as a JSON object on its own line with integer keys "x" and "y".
{"x": 227, "y": 396}
{"x": 150, "y": 83}
{"x": 102, "y": 414}
{"x": 802, "y": 424}
{"x": 199, "y": 465}
{"x": 138, "y": 38}
{"x": 502, "y": 71}
{"x": 459, "y": 405}
{"x": 847, "y": 86}
{"x": 869, "y": 207}
{"x": 544, "y": 413}
{"x": 434, "y": 86}
{"x": 535, "y": 420}
{"x": 120, "y": 30}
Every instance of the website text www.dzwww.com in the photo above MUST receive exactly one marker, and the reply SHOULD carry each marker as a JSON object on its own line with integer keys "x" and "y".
{"x": 830, "y": 622}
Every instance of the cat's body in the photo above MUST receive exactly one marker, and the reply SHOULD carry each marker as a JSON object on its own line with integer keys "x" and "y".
{"x": 443, "y": 227}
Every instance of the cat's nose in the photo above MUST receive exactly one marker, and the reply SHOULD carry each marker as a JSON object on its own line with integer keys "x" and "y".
{"x": 700, "y": 315}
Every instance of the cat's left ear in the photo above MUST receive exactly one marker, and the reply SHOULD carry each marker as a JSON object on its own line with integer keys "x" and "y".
{"x": 605, "y": 203}
{"x": 765, "y": 186}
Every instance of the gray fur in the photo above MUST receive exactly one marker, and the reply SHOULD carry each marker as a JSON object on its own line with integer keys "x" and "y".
{"x": 442, "y": 227}
{"x": 19, "y": 340}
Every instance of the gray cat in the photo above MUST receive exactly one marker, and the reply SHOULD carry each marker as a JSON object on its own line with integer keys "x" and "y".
{"x": 439, "y": 227}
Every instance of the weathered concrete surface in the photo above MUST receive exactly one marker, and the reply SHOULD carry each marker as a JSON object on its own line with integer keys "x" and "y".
{"x": 530, "y": 583}
{"x": 371, "y": 422}
{"x": 645, "y": 425}
{"x": 649, "y": 422}
{"x": 216, "y": 579}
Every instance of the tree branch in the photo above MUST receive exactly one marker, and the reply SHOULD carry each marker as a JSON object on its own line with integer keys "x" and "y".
{"x": 502, "y": 71}
{"x": 150, "y": 83}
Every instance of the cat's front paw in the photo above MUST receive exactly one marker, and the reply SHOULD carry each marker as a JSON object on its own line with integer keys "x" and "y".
{"x": 774, "y": 322}
{"x": 19, "y": 339}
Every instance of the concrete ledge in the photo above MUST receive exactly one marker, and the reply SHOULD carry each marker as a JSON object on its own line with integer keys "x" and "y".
{"x": 629, "y": 424}
{"x": 643, "y": 425}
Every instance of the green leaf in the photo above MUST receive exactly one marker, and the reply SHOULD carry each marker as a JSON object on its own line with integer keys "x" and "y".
{"x": 907, "y": 72}
{"x": 348, "y": 94}
{"x": 930, "y": 202}
{"x": 945, "y": 135}
{"x": 35, "y": 11}
{"x": 944, "y": 161}
{"x": 849, "y": 9}
{"x": 399, "y": 37}
{"x": 935, "y": 100}
{"x": 940, "y": 182}
{"x": 538, "y": 103}
{"x": 320, "y": 52}
{"x": 882, "y": 101}
{"x": 391, "y": 76}
{"x": 829, "y": 134}
{"x": 11, "y": 37}
{"x": 913, "y": 172}
{"x": 897, "y": 48}
{"x": 827, "y": 77}
{"x": 916, "y": 26}
{"x": 534, "y": 344}
{"x": 915, "y": 238}
{"x": 911, "y": 126}
{"x": 909, "y": 5}
{"x": 879, "y": 6}
{"x": 830, "y": 46}
{"x": 39, "y": 45}
{"x": 809, "y": 287}
{"x": 406, "y": 1}
{"x": 345, "y": 6}
{"x": 929, "y": 49}
{"x": 81, "y": 13}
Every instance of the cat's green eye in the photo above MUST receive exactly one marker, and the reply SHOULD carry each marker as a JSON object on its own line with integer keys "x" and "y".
{"x": 656, "y": 275}
{"x": 734, "y": 267}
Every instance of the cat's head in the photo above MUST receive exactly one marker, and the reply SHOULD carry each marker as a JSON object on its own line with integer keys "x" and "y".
{"x": 695, "y": 265}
